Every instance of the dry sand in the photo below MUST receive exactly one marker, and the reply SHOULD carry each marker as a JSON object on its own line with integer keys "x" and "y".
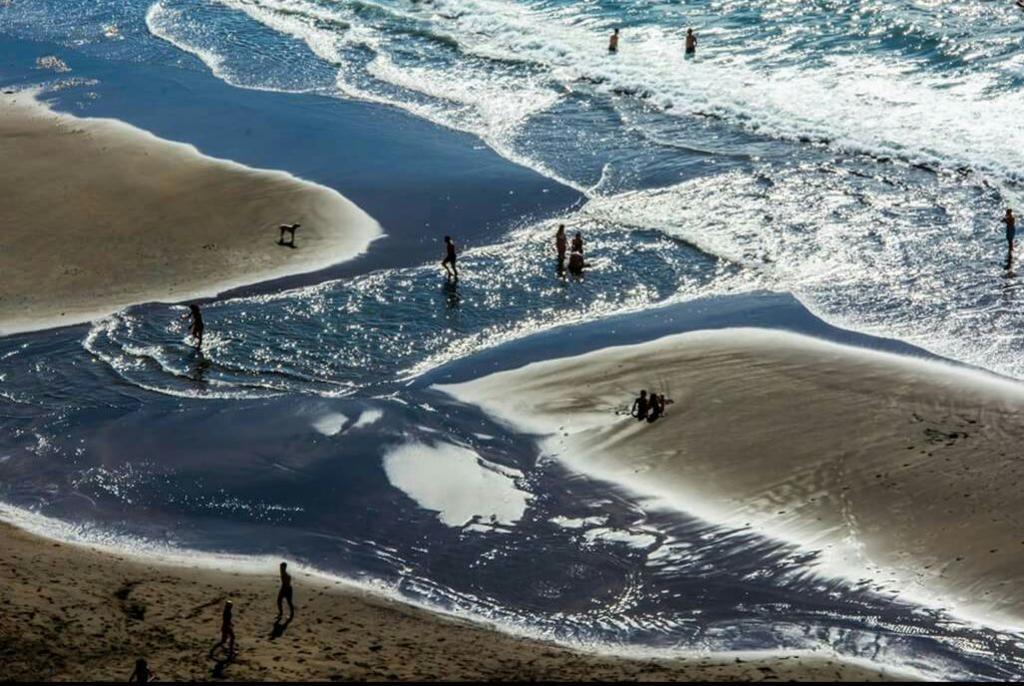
{"x": 98, "y": 215}
{"x": 74, "y": 613}
{"x": 904, "y": 471}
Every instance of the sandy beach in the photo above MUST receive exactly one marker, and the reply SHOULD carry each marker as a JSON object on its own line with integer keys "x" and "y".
{"x": 897, "y": 469}
{"x": 100, "y": 215}
{"x": 78, "y": 614}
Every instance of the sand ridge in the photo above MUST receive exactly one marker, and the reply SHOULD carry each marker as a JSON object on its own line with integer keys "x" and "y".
{"x": 99, "y": 215}
{"x": 904, "y": 471}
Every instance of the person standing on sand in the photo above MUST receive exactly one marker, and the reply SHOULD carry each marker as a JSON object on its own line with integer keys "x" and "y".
{"x": 691, "y": 42}
{"x": 196, "y": 329}
{"x": 449, "y": 257}
{"x": 613, "y": 42}
{"x": 1011, "y": 233}
{"x": 142, "y": 674}
{"x": 561, "y": 243}
{"x": 285, "y": 593}
{"x": 227, "y": 629}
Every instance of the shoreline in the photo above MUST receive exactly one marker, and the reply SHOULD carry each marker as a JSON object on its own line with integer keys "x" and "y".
{"x": 195, "y": 226}
{"x": 119, "y": 607}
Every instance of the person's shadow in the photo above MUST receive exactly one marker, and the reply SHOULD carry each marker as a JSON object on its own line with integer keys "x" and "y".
{"x": 200, "y": 367}
{"x": 452, "y": 299}
{"x": 279, "y": 627}
{"x": 221, "y": 661}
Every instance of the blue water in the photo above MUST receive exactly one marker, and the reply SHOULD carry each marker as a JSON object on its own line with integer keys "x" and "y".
{"x": 855, "y": 154}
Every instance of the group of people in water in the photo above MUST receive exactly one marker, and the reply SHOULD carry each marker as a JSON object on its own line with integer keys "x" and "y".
{"x": 143, "y": 674}
{"x": 575, "y": 264}
{"x": 690, "y": 44}
{"x": 563, "y": 248}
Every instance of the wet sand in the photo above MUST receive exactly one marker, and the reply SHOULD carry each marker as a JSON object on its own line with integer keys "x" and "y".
{"x": 99, "y": 215}
{"x": 903, "y": 473}
{"x": 75, "y": 613}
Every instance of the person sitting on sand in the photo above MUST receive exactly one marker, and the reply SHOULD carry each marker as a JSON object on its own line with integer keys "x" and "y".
{"x": 449, "y": 257}
{"x": 613, "y": 42}
{"x": 227, "y": 629}
{"x": 561, "y": 243}
{"x": 640, "y": 407}
{"x": 196, "y": 329}
{"x": 656, "y": 408}
{"x": 290, "y": 229}
{"x": 142, "y": 674}
{"x": 691, "y": 42}
{"x": 285, "y": 593}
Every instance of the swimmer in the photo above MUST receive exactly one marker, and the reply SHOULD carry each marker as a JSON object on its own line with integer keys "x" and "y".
{"x": 1011, "y": 234}
{"x": 691, "y": 42}
{"x": 196, "y": 330}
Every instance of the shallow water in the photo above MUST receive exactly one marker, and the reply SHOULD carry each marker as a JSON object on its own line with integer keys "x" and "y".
{"x": 857, "y": 154}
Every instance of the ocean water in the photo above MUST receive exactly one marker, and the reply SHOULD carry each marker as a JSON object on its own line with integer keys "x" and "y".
{"x": 857, "y": 154}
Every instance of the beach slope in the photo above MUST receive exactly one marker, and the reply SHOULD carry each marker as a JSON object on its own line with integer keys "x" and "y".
{"x": 99, "y": 215}
{"x": 900, "y": 470}
{"x": 75, "y": 613}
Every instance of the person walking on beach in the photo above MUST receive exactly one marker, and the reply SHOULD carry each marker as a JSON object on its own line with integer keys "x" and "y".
{"x": 142, "y": 674}
{"x": 561, "y": 243}
{"x": 196, "y": 329}
{"x": 227, "y": 629}
{"x": 613, "y": 42}
{"x": 285, "y": 593}
{"x": 1011, "y": 233}
{"x": 691, "y": 42}
{"x": 640, "y": 407}
{"x": 449, "y": 257}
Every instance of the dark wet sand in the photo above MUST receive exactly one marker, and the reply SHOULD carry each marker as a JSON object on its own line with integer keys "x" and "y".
{"x": 74, "y": 613}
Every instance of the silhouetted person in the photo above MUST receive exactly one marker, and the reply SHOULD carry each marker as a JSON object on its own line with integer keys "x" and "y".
{"x": 561, "y": 243}
{"x": 613, "y": 42}
{"x": 449, "y": 257}
{"x": 577, "y": 243}
{"x": 141, "y": 675}
{"x": 285, "y": 593}
{"x": 641, "y": 406}
{"x": 289, "y": 229}
{"x": 227, "y": 629}
{"x": 656, "y": 408}
{"x": 1011, "y": 233}
{"x": 576, "y": 263}
{"x": 691, "y": 42}
{"x": 196, "y": 329}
